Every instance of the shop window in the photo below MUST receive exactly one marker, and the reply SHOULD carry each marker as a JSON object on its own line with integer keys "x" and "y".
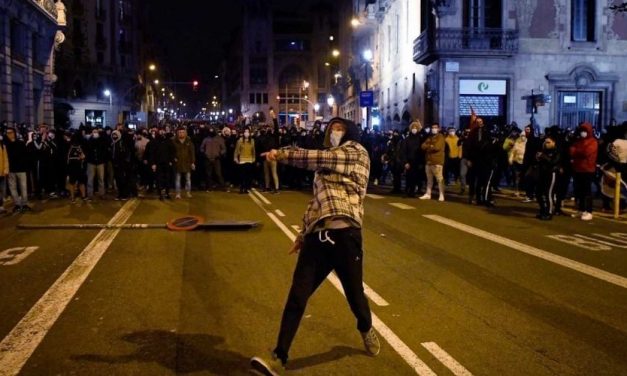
{"x": 576, "y": 107}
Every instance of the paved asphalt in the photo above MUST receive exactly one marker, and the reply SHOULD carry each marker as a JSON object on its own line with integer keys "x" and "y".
{"x": 460, "y": 290}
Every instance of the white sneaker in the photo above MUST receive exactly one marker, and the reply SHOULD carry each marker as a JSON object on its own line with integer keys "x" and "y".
{"x": 577, "y": 214}
{"x": 586, "y": 216}
{"x": 441, "y": 199}
{"x": 189, "y": 194}
{"x": 178, "y": 196}
{"x": 426, "y": 196}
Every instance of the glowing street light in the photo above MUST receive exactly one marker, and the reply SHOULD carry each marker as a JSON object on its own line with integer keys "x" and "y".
{"x": 367, "y": 54}
{"x": 316, "y": 107}
{"x": 335, "y": 53}
{"x": 230, "y": 111}
{"x": 152, "y": 67}
{"x": 330, "y": 101}
{"x": 355, "y": 22}
{"x": 156, "y": 82}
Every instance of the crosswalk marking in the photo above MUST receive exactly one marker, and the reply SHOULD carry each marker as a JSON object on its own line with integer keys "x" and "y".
{"x": 401, "y": 206}
{"x": 261, "y": 197}
{"x": 279, "y": 213}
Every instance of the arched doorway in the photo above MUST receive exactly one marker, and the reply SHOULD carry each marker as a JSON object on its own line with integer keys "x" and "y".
{"x": 406, "y": 119}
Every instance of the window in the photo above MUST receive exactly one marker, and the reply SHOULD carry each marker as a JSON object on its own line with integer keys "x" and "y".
{"x": 258, "y": 98}
{"x": 389, "y": 42}
{"x": 251, "y": 98}
{"x": 483, "y": 13}
{"x": 579, "y": 106}
{"x": 583, "y": 20}
{"x": 265, "y": 98}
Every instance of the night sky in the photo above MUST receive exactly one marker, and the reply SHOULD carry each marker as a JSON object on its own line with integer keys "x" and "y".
{"x": 190, "y": 35}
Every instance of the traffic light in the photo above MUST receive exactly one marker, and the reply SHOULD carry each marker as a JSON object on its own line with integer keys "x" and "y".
{"x": 195, "y": 85}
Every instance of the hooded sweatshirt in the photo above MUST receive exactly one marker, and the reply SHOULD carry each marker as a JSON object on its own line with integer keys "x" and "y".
{"x": 341, "y": 177}
{"x": 583, "y": 152}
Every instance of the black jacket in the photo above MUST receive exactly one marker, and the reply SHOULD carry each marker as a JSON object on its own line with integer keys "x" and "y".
{"x": 162, "y": 151}
{"x": 18, "y": 156}
{"x": 96, "y": 151}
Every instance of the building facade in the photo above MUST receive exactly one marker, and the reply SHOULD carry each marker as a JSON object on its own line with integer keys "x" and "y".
{"x": 101, "y": 74}
{"x": 496, "y": 56}
{"x": 30, "y": 30}
{"x": 285, "y": 62}
{"x": 380, "y": 60}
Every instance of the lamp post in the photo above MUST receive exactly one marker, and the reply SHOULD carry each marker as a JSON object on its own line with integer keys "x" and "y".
{"x": 107, "y": 93}
{"x": 367, "y": 55}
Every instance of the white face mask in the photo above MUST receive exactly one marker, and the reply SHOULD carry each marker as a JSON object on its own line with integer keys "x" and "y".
{"x": 583, "y": 134}
{"x": 336, "y": 138}
{"x": 95, "y": 135}
{"x": 451, "y": 133}
{"x": 434, "y": 131}
{"x": 428, "y": 130}
{"x": 414, "y": 131}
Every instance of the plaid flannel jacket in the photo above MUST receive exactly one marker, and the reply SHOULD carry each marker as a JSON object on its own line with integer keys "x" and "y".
{"x": 340, "y": 181}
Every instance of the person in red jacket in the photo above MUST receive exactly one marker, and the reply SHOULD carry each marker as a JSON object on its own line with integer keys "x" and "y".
{"x": 583, "y": 156}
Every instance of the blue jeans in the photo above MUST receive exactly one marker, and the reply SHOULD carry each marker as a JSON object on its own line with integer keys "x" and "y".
{"x": 18, "y": 179}
{"x": 188, "y": 182}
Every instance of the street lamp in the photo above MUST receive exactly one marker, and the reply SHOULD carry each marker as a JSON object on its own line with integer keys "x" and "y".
{"x": 331, "y": 103}
{"x": 355, "y": 22}
{"x": 156, "y": 82}
{"x": 335, "y": 53}
{"x": 368, "y": 56}
{"x": 107, "y": 93}
{"x": 152, "y": 67}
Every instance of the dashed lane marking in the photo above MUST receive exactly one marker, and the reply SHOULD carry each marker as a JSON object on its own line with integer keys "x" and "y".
{"x": 279, "y": 213}
{"x": 261, "y": 197}
{"x": 401, "y": 206}
{"x": 524, "y": 248}
{"x": 374, "y": 197}
{"x": 420, "y": 367}
{"x": 18, "y": 346}
{"x": 296, "y": 228}
{"x": 446, "y": 359}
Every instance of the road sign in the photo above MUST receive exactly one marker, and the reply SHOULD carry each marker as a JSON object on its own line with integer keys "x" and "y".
{"x": 366, "y": 98}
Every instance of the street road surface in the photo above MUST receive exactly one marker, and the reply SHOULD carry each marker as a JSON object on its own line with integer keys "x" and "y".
{"x": 454, "y": 289}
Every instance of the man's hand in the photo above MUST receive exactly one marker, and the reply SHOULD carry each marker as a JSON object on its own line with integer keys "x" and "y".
{"x": 298, "y": 245}
{"x": 271, "y": 155}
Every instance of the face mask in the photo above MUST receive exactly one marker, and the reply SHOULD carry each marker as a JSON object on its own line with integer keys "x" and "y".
{"x": 451, "y": 133}
{"x": 435, "y": 131}
{"x": 51, "y": 136}
{"x": 414, "y": 131}
{"x": 336, "y": 138}
{"x": 583, "y": 134}
{"x": 428, "y": 130}
{"x": 95, "y": 135}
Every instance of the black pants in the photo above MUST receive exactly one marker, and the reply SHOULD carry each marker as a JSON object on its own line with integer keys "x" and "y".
{"x": 485, "y": 183}
{"x": 322, "y": 252}
{"x": 246, "y": 176}
{"x": 414, "y": 178}
{"x": 164, "y": 178}
{"x": 213, "y": 171}
{"x": 121, "y": 174}
{"x": 582, "y": 182}
{"x": 546, "y": 193}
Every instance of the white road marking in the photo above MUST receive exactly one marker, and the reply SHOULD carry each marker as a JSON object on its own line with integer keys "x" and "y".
{"x": 14, "y": 256}
{"x": 296, "y": 228}
{"x": 374, "y": 197}
{"x": 401, "y": 206}
{"x": 279, "y": 213}
{"x": 263, "y": 199}
{"x": 585, "y": 244}
{"x": 446, "y": 359}
{"x": 420, "y": 367}
{"x": 559, "y": 260}
{"x": 18, "y": 346}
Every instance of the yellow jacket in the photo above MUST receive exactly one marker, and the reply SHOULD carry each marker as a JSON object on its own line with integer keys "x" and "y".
{"x": 4, "y": 160}
{"x": 454, "y": 150}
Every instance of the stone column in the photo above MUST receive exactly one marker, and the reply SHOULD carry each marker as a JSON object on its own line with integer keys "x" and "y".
{"x": 6, "y": 89}
{"x": 29, "y": 110}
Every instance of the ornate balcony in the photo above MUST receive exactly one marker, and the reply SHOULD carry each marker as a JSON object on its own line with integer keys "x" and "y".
{"x": 47, "y": 5}
{"x": 434, "y": 44}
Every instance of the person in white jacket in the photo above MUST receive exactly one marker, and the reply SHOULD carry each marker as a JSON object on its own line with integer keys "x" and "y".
{"x": 516, "y": 155}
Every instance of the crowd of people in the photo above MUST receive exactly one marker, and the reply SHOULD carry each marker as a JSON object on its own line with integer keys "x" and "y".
{"x": 97, "y": 163}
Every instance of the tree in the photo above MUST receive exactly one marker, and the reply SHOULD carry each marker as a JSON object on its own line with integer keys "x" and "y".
{"x": 619, "y": 7}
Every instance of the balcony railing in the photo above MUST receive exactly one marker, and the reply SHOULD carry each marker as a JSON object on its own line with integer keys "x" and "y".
{"x": 434, "y": 44}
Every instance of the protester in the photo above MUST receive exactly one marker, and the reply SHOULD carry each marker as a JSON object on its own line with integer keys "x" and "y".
{"x": 330, "y": 238}
{"x": 185, "y": 158}
{"x": 583, "y": 154}
{"x": 244, "y": 157}
{"x": 434, "y": 151}
{"x": 18, "y": 169}
{"x": 213, "y": 148}
{"x": 413, "y": 160}
{"x": 96, "y": 157}
{"x": 76, "y": 169}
